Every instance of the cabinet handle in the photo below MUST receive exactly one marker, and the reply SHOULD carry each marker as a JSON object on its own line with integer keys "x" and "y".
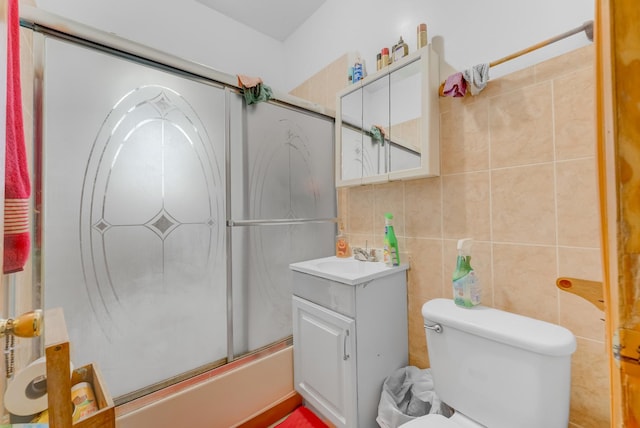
{"x": 345, "y": 356}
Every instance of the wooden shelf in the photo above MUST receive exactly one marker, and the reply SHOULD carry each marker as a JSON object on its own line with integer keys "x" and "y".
{"x": 591, "y": 291}
{"x": 60, "y": 379}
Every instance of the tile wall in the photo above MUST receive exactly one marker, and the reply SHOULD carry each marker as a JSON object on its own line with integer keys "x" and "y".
{"x": 518, "y": 174}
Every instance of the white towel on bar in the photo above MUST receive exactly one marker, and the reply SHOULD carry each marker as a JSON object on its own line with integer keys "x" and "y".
{"x": 477, "y": 77}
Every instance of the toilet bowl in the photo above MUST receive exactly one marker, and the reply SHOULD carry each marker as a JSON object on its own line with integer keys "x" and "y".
{"x": 496, "y": 369}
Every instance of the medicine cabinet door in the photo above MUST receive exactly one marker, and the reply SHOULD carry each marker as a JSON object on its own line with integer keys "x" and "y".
{"x": 406, "y": 120}
{"x": 350, "y": 163}
{"x": 375, "y": 132}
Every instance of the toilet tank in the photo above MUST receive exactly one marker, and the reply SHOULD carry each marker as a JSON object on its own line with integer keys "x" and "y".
{"x": 500, "y": 369}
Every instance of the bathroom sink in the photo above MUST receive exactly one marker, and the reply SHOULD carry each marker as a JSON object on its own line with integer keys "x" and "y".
{"x": 350, "y": 267}
{"x": 346, "y": 270}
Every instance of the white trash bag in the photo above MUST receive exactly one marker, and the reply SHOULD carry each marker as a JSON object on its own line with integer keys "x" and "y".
{"x": 408, "y": 394}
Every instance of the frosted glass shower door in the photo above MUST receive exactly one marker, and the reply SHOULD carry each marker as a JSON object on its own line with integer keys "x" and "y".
{"x": 283, "y": 202}
{"x": 133, "y": 240}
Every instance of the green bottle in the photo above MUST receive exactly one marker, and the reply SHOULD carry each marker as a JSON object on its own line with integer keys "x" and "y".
{"x": 391, "y": 253}
{"x": 466, "y": 287}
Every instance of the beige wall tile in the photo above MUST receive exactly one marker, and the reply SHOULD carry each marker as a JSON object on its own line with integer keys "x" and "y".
{"x": 446, "y": 104}
{"x": 465, "y": 206}
{"x": 509, "y": 83}
{"x": 578, "y": 207}
{"x": 423, "y": 208}
{"x": 336, "y": 79}
{"x": 303, "y": 91}
{"x": 523, "y": 204}
{"x": 566, "y": 63}
{"x": 389, "y": 198}
{"x": 317, "y": 88}
{"x": 418, "y": 355}
{"x": 521, "y": 127}
{"x": 524, "y": 280}
{"x": 360, "y": 211}
{"x": 425, "y": 282}
{"x": 574, "y": 110}
{"x": 464, "y": 138}
{"x": 590, "y": 385}
{"x": 576, "y": 313}
{"x": 425, "y": 275}
{"x": 322, "y": 87}
{"x": 342, "y": 197}
{"x": 585, "y": 263}
{"x": 363, "y": 241}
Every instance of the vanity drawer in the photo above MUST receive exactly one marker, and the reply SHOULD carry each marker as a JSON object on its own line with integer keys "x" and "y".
{"x": 330, "y": 294}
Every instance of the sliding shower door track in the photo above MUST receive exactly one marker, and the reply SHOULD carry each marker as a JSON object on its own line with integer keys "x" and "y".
{"x": 138, "y": 399}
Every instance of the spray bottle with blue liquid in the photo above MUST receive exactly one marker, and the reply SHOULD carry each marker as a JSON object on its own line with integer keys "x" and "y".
{"x": 466, "y": 287}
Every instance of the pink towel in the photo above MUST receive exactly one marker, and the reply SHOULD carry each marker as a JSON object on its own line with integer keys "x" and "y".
{"x": 17, "y": 186}
{"x": 455, "y": 86}
{"x": 248, "y": 81}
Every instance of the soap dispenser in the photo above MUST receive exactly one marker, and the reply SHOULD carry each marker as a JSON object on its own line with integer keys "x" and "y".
{"x": 466, "y": 287}
{"x": 343, "y": 249}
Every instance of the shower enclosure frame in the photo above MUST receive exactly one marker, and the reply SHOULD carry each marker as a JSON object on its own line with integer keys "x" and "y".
{"x": 44, "y": 25}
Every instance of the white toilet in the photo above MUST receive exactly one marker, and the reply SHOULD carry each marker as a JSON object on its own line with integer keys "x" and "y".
{"x": 496, "y": 369}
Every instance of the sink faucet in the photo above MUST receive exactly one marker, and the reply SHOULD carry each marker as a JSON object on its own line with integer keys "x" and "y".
{"x": 364, "y": 255}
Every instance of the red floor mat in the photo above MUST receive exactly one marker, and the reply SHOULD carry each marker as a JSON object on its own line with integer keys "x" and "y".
{"x": 302, "y": 418}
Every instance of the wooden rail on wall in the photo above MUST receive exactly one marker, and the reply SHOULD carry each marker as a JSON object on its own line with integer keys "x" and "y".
{"x": 591, "y": 291}
{"x": 60, "y": 379}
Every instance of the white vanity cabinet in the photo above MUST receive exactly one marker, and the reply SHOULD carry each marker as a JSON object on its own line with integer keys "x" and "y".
{"x": 324, "y": 354}
{"x": 349, "y": 334}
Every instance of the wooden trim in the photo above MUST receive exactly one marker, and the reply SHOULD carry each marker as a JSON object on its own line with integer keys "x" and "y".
{"x": 273, "y": 413}
{"x": 607, "y": 189}
{"x": 60, "y": 379}
{"x": 588, "y": 290}
{"x": 618, "y": 94}
{"x": 587, "y": 27}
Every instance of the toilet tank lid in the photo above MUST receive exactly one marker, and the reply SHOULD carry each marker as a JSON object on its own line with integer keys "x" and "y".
{"x": 505, "y": 327}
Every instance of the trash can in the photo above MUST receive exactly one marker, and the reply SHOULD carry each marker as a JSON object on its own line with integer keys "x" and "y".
{"x": 408, "y": 394}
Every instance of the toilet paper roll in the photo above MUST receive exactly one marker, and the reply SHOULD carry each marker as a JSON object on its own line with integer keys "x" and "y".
{"x": 26, "y": 393}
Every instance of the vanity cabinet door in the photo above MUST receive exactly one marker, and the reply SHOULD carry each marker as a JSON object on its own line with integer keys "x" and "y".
{"x": 325, "y": 361}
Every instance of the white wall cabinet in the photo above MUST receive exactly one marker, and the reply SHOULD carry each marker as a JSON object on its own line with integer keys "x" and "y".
{"x": 402, "y": 100}
{"x": 347, "y": 339}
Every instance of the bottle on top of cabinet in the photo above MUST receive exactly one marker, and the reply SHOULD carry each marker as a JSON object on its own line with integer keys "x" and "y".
{"x": 422, "y": 35}
{"x": 359, "y": 72}
{"x": 400, "y": 49}
{"x": 385, "y": 57}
